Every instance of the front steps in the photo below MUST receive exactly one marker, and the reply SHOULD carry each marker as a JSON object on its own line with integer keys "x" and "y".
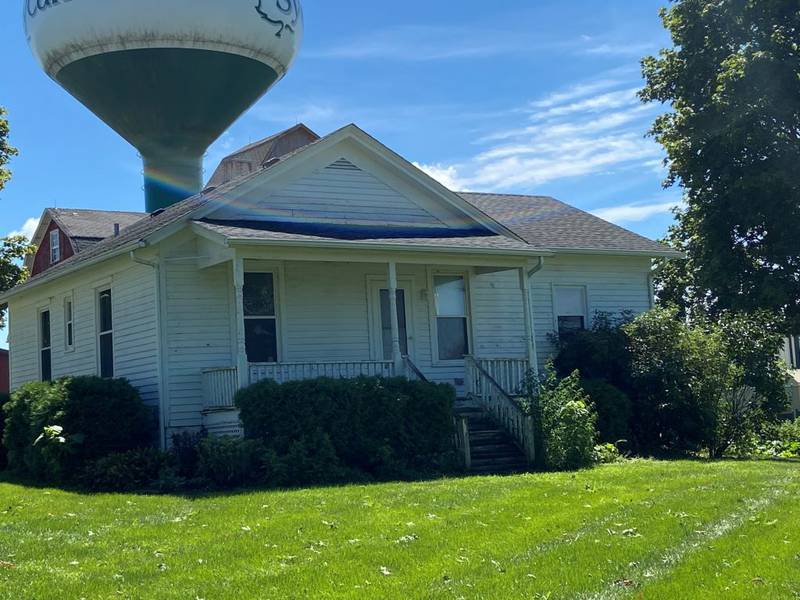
{"x": 492, "y": 450}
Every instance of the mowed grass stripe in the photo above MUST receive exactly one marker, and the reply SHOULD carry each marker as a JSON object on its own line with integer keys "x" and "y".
{"x": 759, "y": 559}
{"x": 645, "y": 530}
{"x": 473, "y": 537}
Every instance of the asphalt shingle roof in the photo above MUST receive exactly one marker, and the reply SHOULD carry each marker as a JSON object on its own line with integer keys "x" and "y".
{"x": 549, "y": 223}
{"x": 293, "y": 233}
{"x": 94, "y": 224}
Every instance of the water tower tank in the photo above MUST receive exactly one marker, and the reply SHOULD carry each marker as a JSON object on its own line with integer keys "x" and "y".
{"x": 169, "y": 76}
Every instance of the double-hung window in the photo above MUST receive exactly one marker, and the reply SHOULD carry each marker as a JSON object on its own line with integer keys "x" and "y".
{"x": 451, "y": 316}
{"x": 570, "y": 308}
{"x": 69, "y": 329}
{"x": 260, "y": 320}
{"x": 55, "y": 246}
{"x": 105, "y": 333}
{"x": 45, "y": 347}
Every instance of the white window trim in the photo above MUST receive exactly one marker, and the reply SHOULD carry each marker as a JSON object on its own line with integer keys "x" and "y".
{"x": 554, "y": 303}
{"x": 465, "y": 273}
{"x": 70, "y": 298}
{"x": 375, "y": 283}
{"x": 97, "y": 290}
{"x": 55, "y": 249}
{"x": 39, "y": 347}
{"x": 277, "y": 278}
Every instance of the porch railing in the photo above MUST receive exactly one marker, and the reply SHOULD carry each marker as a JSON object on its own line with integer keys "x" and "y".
{"x": 505, "y": 411}
{"x": 412, "y": 371}
{"x": 219, "y": 387}
{"x": 296, "y": 371}
{"x": 509, "y": 373}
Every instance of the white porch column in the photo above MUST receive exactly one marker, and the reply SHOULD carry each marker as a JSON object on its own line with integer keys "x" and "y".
{"x": 242, "y": 367}
{"x": 530, "y": 340}
{"x": 397, "y": 356}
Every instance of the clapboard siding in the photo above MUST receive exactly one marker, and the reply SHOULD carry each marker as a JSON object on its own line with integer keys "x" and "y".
{"x": 613, "y": 285}
{"x": 134, "y": 319}
{"x": 198, "y": 330}
{"x": 340, "y": 192}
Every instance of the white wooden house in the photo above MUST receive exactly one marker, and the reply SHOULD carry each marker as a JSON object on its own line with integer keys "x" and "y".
{"x": 314, "y": 256}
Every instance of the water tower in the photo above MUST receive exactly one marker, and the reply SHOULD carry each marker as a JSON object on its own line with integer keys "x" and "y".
{"x": 170, "y": 76}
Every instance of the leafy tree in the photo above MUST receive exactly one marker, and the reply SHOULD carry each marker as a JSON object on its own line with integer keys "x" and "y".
{"x": 6, "y": 149}
{"x": 15, "y": 248}
{"x": 733, "y": 143}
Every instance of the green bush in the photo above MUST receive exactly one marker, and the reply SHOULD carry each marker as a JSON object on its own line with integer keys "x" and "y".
{"x": 781, "y": 440}
{"x": 566, "y": 422}
{"x": 96, "y": 417}
{"x": 606, "y": 454}
{"x": 4, "y": 398}
{"x": 613, "y": 408}
{"x": 233, "y": 462}
{"x": 126, "y": 471}
{"x": 375, "y": 426}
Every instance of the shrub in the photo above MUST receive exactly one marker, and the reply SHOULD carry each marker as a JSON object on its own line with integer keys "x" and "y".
{"x": 782, "y": 440}
{"x": 233, "y": 462}
{"x": 97, "y": 417}
{"x": 126, "y": 471}
{"x": 566, "y": 422}
{"x": 379, "y": 427}
{"x": 613, "y": 408}
{"x": 606, "y": 454}
{"x": 185, "y": 451}
{"x": 4, "y": 398}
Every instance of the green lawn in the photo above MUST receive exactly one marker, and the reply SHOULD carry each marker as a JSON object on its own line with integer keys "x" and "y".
{"x": 642, "y": 530}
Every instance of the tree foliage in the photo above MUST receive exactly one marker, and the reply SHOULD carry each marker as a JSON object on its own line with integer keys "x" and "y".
{"x": 13, "y": 249}
{"x": 6, "y": 149}
{"x": 732, "y": 139}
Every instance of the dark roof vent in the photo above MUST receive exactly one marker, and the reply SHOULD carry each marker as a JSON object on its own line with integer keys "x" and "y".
{"x": 116, "y": 229}
{"x": 156, "y": 212}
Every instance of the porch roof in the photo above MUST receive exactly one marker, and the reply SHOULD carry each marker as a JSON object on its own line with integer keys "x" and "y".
{"x": 308, "y": 234}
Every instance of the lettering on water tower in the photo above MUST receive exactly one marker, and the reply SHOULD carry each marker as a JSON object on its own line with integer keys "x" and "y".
{"x": 34, "y": 7}
{"x": 284, "y": 16}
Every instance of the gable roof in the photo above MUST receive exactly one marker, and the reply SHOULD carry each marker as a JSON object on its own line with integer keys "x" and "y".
{"x": 83, "y": 227}
{"x": 549, "y": 223}
{"x": 258, "y": 154}
{"x": 539, "y": 223}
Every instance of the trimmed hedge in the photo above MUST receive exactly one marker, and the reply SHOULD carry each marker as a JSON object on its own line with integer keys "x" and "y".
{"x": 55, "y": 429}
{"x": 331, "y": 429}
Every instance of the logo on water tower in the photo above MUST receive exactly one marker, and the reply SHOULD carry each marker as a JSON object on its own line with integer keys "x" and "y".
{"x": 284, "y": 16}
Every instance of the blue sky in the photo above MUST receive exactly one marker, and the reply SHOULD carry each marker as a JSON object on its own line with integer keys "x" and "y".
{"x": 528, "y": 97}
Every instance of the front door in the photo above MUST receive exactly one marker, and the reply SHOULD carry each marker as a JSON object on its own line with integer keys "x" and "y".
{"x": 381, "y": 321}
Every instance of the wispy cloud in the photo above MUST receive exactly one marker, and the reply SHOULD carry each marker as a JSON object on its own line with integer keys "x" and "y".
{"x": 28, "y": 228}
{"x": 611, "y": 49}
{"x": 633, "y": 213}
{"x": 595, "y": 126}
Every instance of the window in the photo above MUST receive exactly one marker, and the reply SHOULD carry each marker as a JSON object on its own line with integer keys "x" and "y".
{"x": 55, "y": 246}
{"x": 570, "y": 309}
{"x": 451, "y": 316}
{"x": 105, "y": 335}
{"x": 45, "y": 348}
{"x": 794, "y": 351}
{"x": 386, "y": 323}
{"x": 69, "y": 330}
{"x": 260, "y": 322}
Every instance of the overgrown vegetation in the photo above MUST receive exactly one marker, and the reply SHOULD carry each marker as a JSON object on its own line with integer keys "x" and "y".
{"x": 666, "y": 386}
{"x": 97, "y": 433}
{"x": 56, "y": 430}
{"x": 564, "y": 419}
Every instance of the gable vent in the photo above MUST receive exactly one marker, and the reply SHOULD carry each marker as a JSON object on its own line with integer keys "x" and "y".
{"x": 343, "y": 165}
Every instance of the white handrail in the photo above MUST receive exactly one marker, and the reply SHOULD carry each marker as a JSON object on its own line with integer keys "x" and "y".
{"x": 505, "y": 411}
{"x": 509, "y": 373}
{"x": 296, "y": 371}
